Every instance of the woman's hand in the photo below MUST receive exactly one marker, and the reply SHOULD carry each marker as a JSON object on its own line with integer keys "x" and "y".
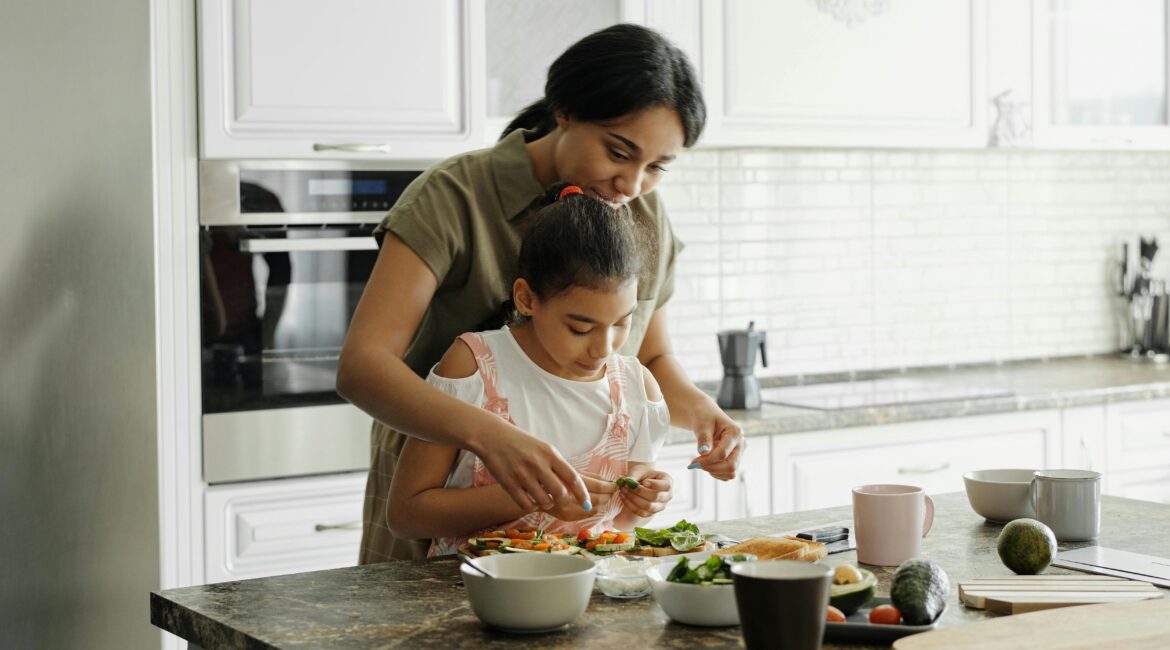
{"x": 531, "y": 471}
{"x": 600, "y": 492}
{"x": 721, "y": 441}
{"x": 652, "y": 495}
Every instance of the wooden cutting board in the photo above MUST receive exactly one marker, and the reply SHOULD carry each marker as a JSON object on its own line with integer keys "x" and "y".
{"x": 1142, "y": 625}
{"x": 1019, "y": 594}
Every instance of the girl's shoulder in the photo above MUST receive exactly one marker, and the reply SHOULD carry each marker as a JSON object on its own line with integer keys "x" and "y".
{"x": 640, "y": 383}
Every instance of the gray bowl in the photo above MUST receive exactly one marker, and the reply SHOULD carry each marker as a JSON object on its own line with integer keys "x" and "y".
{"x": 1000, "y": 495}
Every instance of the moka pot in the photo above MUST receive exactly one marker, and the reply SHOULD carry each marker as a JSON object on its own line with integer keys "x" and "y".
{"x": 737, "y": 348}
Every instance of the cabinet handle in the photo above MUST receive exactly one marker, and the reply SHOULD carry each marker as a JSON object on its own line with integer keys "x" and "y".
{"x": 349, "y": 525}
{"x": 924, "y": 469}
{"x": 353, "y": 147}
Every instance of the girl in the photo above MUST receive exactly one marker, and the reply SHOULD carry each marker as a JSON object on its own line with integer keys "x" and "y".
{"x": 619, "y": 106}
{"x": 555, "y": 371}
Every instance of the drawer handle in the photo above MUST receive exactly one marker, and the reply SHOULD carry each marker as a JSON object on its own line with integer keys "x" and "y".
{"x": 924, "y": 469}
{"x": 349, "y": 525}
{"x": 353, "y": 147}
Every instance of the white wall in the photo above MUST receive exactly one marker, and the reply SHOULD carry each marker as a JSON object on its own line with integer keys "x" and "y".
{"x": 872, "y": 259}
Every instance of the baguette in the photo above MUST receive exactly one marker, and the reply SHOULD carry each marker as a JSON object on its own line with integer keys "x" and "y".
{"x": 779, "y": 548}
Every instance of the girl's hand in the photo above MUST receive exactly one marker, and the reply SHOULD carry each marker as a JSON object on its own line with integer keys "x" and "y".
{"x": 600, "y": 492}
{"x": 652, "y": 495}
{"x": 721, "y": 441}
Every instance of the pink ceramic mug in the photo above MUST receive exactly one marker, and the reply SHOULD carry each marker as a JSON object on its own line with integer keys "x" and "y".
{"x": 889, "y": 522}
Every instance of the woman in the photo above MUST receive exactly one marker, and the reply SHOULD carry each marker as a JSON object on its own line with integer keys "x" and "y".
{"x": 619, "y": 105}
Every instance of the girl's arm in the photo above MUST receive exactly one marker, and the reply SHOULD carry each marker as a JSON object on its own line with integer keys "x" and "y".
{"x": 419, "y": 505}
{"x": 720, "y": 440}
{"x": 373, "y": 376}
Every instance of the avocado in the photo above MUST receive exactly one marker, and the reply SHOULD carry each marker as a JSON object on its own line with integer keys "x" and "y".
{"x": 919, "y": 590}
{"x": 850, "y": 597}
{"x": 1026, "y": 546}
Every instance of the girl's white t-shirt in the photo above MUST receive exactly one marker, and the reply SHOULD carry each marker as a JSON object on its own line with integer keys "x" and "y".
{"x": 570, "y": 415}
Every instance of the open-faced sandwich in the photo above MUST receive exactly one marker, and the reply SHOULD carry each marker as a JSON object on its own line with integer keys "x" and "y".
{"x": 779, "y": 548}
{"x": 518, "y": 541}
{"x": 683, "y": 537}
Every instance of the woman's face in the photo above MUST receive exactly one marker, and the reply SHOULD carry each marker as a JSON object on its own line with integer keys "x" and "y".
{"x": 578, "y": 329}
{"x": 621, "y": 159}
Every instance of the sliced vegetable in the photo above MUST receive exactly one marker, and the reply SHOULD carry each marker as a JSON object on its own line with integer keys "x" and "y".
{"x": 682, "y": 536}
{"x": 627, "y": 482}
{"x": 715, "y": 570}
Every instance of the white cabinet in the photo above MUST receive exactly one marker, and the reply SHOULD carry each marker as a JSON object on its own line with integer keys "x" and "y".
{"x": 907, "y": 73}
{"x": 287, "y": 526}
{"x": 1100, "y": 74}
{"x": 819, "y": 469}
{"x": 1137, "y": 435}
{"x": 390, "y": 79}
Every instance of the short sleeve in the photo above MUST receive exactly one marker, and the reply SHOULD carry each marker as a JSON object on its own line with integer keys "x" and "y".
{"x": 464, "y": 389}
{"x": 431, "y": 219}
{"x": 650, "y": 422}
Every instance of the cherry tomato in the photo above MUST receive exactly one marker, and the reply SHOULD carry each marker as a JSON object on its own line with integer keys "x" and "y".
{"x": 885, "y": 615}
{"x": 834, "y": 615}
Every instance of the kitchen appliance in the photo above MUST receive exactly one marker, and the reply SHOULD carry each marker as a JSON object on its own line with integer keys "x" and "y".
{"x": 740, "y": 389}
{"x": 286, "y": 248}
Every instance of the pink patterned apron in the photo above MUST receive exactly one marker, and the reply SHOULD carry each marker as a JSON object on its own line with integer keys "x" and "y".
{"x": 608, "y": 459}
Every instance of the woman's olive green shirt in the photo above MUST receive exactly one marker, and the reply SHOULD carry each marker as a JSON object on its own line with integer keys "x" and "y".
{"x": 465, "y": 218}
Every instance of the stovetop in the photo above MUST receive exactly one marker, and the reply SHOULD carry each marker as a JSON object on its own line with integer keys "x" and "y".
{"x": 875, "y": 392}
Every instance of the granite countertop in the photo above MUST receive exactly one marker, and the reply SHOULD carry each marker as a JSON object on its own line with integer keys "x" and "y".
{"x": 1024, "y": 386}
{"x": 422, "y": 604}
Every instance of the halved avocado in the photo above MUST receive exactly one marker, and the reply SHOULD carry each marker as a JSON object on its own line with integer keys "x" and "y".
{"x": 849, "y": 598}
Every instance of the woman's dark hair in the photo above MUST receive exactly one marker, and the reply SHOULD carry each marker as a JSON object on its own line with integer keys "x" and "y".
{"x": 614, "y": 72}
{"x": 579, "y": 241}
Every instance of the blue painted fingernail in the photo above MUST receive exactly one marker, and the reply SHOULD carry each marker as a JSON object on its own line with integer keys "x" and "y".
{"x": 587, "y": 506}
{"x": 704, "y": 449}
{"x": 694, "y": 466}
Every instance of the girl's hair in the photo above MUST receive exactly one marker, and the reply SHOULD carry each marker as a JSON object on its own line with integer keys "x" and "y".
{"x": 614, "y": 72}
{"x": 579, "y": 241}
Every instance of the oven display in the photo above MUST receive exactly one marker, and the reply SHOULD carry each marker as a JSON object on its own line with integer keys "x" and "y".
{"x": 264, "y": 191}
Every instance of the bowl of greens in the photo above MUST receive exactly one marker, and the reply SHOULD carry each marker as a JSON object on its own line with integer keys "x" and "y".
{"x": 697, "y": 589}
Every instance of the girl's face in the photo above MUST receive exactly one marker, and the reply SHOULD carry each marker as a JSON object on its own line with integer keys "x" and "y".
{"x": 618, "y": 160}
{"x": 571, "y": 334}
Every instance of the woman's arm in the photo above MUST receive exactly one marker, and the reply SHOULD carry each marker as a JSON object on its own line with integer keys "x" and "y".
{"x": 720, "y": 439}
{"x": 373, "y": 376}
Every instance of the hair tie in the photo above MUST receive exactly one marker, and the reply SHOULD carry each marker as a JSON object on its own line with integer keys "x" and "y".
{"x": 569, "y": 191}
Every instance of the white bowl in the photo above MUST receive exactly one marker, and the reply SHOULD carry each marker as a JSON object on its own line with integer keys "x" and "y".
{"x": 706, "y": 605}
{"x": 1000, "y": 495}
{"x": 534, "y": 592}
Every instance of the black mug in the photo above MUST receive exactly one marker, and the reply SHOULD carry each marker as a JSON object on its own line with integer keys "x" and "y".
{"x": 782, "y": 603}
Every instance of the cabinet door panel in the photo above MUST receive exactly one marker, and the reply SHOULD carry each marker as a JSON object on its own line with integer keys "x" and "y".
{"x": 796, "y": 73}
{"x": 277, "y": 527}
{"x": 304, "y": 77}
{"x": 1138, "y": 434}
{"x": 694, "y": 490}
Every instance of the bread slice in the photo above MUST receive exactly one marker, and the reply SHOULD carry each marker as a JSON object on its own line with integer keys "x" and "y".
{"x": 779, "y": 548}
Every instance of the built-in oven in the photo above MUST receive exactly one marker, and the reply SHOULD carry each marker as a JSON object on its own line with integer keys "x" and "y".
{"x": 286, "y": 249}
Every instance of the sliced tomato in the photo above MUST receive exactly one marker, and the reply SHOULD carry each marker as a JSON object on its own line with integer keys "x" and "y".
{"x": 584, "y": 535}
{"x": 521, "y": 534}
{"x": 522, "y": 543}
{"x": 590, "y": 544}
{"x": 621, "y": 538}
{"x": 607, "y": 537}
{"x": 542, "y": 546}
{"x": 493, "y": 533}
{"x": 885, "y": 615}
{"x": 834, "y": 615}
{"x": 491, "y": 544}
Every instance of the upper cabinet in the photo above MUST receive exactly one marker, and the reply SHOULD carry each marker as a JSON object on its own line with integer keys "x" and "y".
{"x": 1100, "y": 71}
{"x": 821, "y": 73}
{"x": 393, "y": 79}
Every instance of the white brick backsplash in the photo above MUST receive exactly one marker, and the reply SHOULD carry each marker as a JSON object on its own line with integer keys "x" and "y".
{"x": 863, "y": 260}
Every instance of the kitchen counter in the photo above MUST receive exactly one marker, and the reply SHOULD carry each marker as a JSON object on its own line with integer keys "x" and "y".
{"x": 422, "y": 604}
{"x": 1023, "y": 386}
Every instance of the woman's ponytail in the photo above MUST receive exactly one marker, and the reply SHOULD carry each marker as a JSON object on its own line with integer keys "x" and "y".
{"x": 536, "y": 117}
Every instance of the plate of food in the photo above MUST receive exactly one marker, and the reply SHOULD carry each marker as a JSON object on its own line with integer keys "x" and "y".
{"x": 918, "y": 597}
{"x": 683, "y": 537}
{"x": 513, "y": 540}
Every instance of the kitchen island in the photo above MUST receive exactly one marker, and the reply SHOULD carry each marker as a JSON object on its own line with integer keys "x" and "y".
{"x": 422, "y": 604}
